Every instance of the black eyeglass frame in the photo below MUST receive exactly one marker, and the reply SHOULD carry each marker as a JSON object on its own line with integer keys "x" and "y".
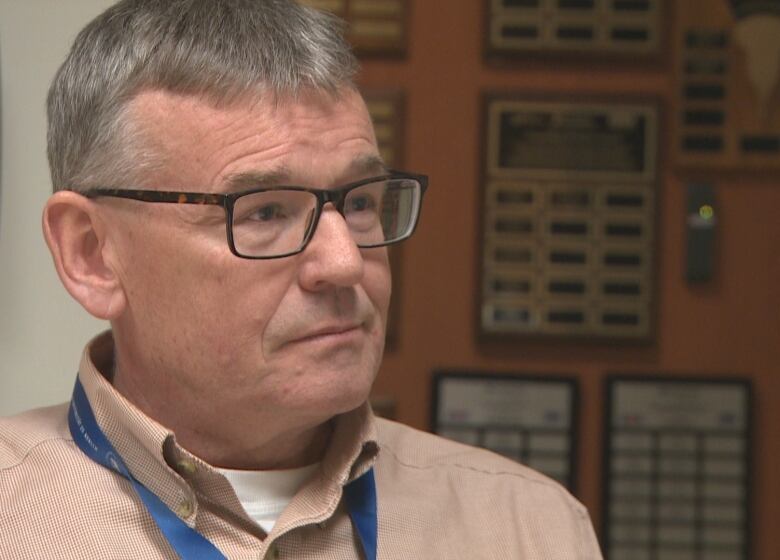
{"x": 337, "y": 197}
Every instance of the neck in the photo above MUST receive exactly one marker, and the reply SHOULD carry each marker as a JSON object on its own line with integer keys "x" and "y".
{"x": 286, "y": 451}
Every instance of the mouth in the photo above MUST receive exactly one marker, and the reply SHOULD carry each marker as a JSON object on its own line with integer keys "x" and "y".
{"x": 332, "y": 333}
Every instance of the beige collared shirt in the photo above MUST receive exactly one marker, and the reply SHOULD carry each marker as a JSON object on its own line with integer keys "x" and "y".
{"x": 436, "y": 498}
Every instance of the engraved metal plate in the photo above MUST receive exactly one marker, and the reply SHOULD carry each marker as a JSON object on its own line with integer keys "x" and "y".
{"x": 676, "y": 478}
{"x": 568, "y": 218}
{"x": 727, "y": 113}
{"x": 596, "y": 27}
{"x": 528, "y": 419}
{"x": 374, "y": 26}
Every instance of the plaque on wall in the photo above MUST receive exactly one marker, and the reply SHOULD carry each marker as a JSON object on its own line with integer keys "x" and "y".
{"x": 386, "y": 109}
{"x": 677, "y": 468}
{"x": 568, "y": 201}
{"x": 528, "y": 419}
{"x": 375, "y": 27}
{"x": 727, "y": 97}
{"x": 602, "y": 28}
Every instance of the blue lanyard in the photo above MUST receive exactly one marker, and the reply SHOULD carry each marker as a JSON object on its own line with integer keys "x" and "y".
{"x": 360, "y": 494}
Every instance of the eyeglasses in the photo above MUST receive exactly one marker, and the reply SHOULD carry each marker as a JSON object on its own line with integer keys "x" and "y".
{"x": 270, "y": 223}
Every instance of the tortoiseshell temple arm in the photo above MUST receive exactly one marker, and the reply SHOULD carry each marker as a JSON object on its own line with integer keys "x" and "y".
{"x": 159, "y": 196}
{"x": 176, "y": 197}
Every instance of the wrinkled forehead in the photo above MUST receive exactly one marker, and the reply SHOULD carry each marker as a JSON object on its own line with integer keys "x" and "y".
{"x": 275, "y": 138}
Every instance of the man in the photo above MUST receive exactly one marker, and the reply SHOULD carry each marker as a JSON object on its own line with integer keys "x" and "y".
{"x": 221, "y": 201}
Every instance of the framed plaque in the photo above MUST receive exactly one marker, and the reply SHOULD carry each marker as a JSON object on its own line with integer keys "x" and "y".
{"x": 386, "y": 108}
{"x": 599, "y": 28}
{"x": 727, "y": 99}
{"x": 375, "y": 27}
{"x": 568, "y": 217}
{"x": 677, "y": 469}
{"x": 529, "y": 419}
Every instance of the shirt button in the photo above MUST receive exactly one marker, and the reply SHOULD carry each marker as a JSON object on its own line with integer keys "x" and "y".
{"x": 185, "y": 508}
{"x": 186, "y": 467}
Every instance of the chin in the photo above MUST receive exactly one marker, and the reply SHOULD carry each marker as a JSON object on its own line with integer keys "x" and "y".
{"x": 331, "y": 382}
{"x": 345, "y": 392}
{"x": 352, "y": 393}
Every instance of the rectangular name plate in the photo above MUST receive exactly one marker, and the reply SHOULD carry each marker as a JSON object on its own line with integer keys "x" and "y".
{"x": 616, "y": 28}
{"x": 676, "y": 477}
{"x": 524, "y": 418}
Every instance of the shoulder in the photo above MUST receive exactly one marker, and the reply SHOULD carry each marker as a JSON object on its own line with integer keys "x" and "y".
{"x": 419, "y": 449}
{"x": 30, "y": 432}
{"x": 412, "y": 449}
{"x": 421, "y": 476}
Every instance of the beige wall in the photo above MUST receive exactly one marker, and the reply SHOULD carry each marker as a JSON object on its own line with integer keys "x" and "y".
{"x": 41, "y": 329}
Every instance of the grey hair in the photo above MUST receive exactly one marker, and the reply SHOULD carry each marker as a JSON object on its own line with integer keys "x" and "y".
{"x": 222, "y": 50}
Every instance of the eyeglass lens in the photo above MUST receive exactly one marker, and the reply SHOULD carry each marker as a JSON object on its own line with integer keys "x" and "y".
{"x": 277, "y": 222}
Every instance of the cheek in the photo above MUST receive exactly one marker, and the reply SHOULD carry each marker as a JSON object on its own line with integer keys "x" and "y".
{"x": 195, "y": 295}
{"x": 233, "y": 302}
{"x": 169, "y": 294}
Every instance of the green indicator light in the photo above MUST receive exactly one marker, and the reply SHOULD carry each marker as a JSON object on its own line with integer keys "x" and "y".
{"x": 706, "y": 212}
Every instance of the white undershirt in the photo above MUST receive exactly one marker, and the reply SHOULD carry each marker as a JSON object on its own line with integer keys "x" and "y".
{"x": 265, "y": 494}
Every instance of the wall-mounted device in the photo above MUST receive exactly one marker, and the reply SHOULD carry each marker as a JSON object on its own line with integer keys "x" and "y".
{"x": 700, "y": 226}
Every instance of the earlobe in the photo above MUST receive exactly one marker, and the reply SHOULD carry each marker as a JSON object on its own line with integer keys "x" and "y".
{"x": 75, "y": 234}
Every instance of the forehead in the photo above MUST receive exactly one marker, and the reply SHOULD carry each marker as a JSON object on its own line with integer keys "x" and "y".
{"x": 313, "y": 138}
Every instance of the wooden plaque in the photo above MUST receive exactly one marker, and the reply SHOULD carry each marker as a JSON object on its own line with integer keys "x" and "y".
{"x": 568, "y": 218}
{"x": 677, "y": 469}
{"x": 375, "y": 27}
{"x": 529, "y": 419}
{"x": 727, "y": 114}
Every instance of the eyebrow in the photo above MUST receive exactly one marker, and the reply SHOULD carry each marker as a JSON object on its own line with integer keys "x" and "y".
{"x": 366, "y": 164}
{"x": 251, "y": 179}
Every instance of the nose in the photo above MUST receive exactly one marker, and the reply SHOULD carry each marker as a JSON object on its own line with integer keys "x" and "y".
{"x": 332, "y": 258}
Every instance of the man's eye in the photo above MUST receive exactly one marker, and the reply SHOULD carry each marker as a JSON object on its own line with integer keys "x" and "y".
{"x": 362, "y": 203}
{"x": 268, "y": 212}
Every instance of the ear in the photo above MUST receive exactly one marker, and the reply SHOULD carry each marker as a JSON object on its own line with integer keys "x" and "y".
{"x": 76, "y": 236}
